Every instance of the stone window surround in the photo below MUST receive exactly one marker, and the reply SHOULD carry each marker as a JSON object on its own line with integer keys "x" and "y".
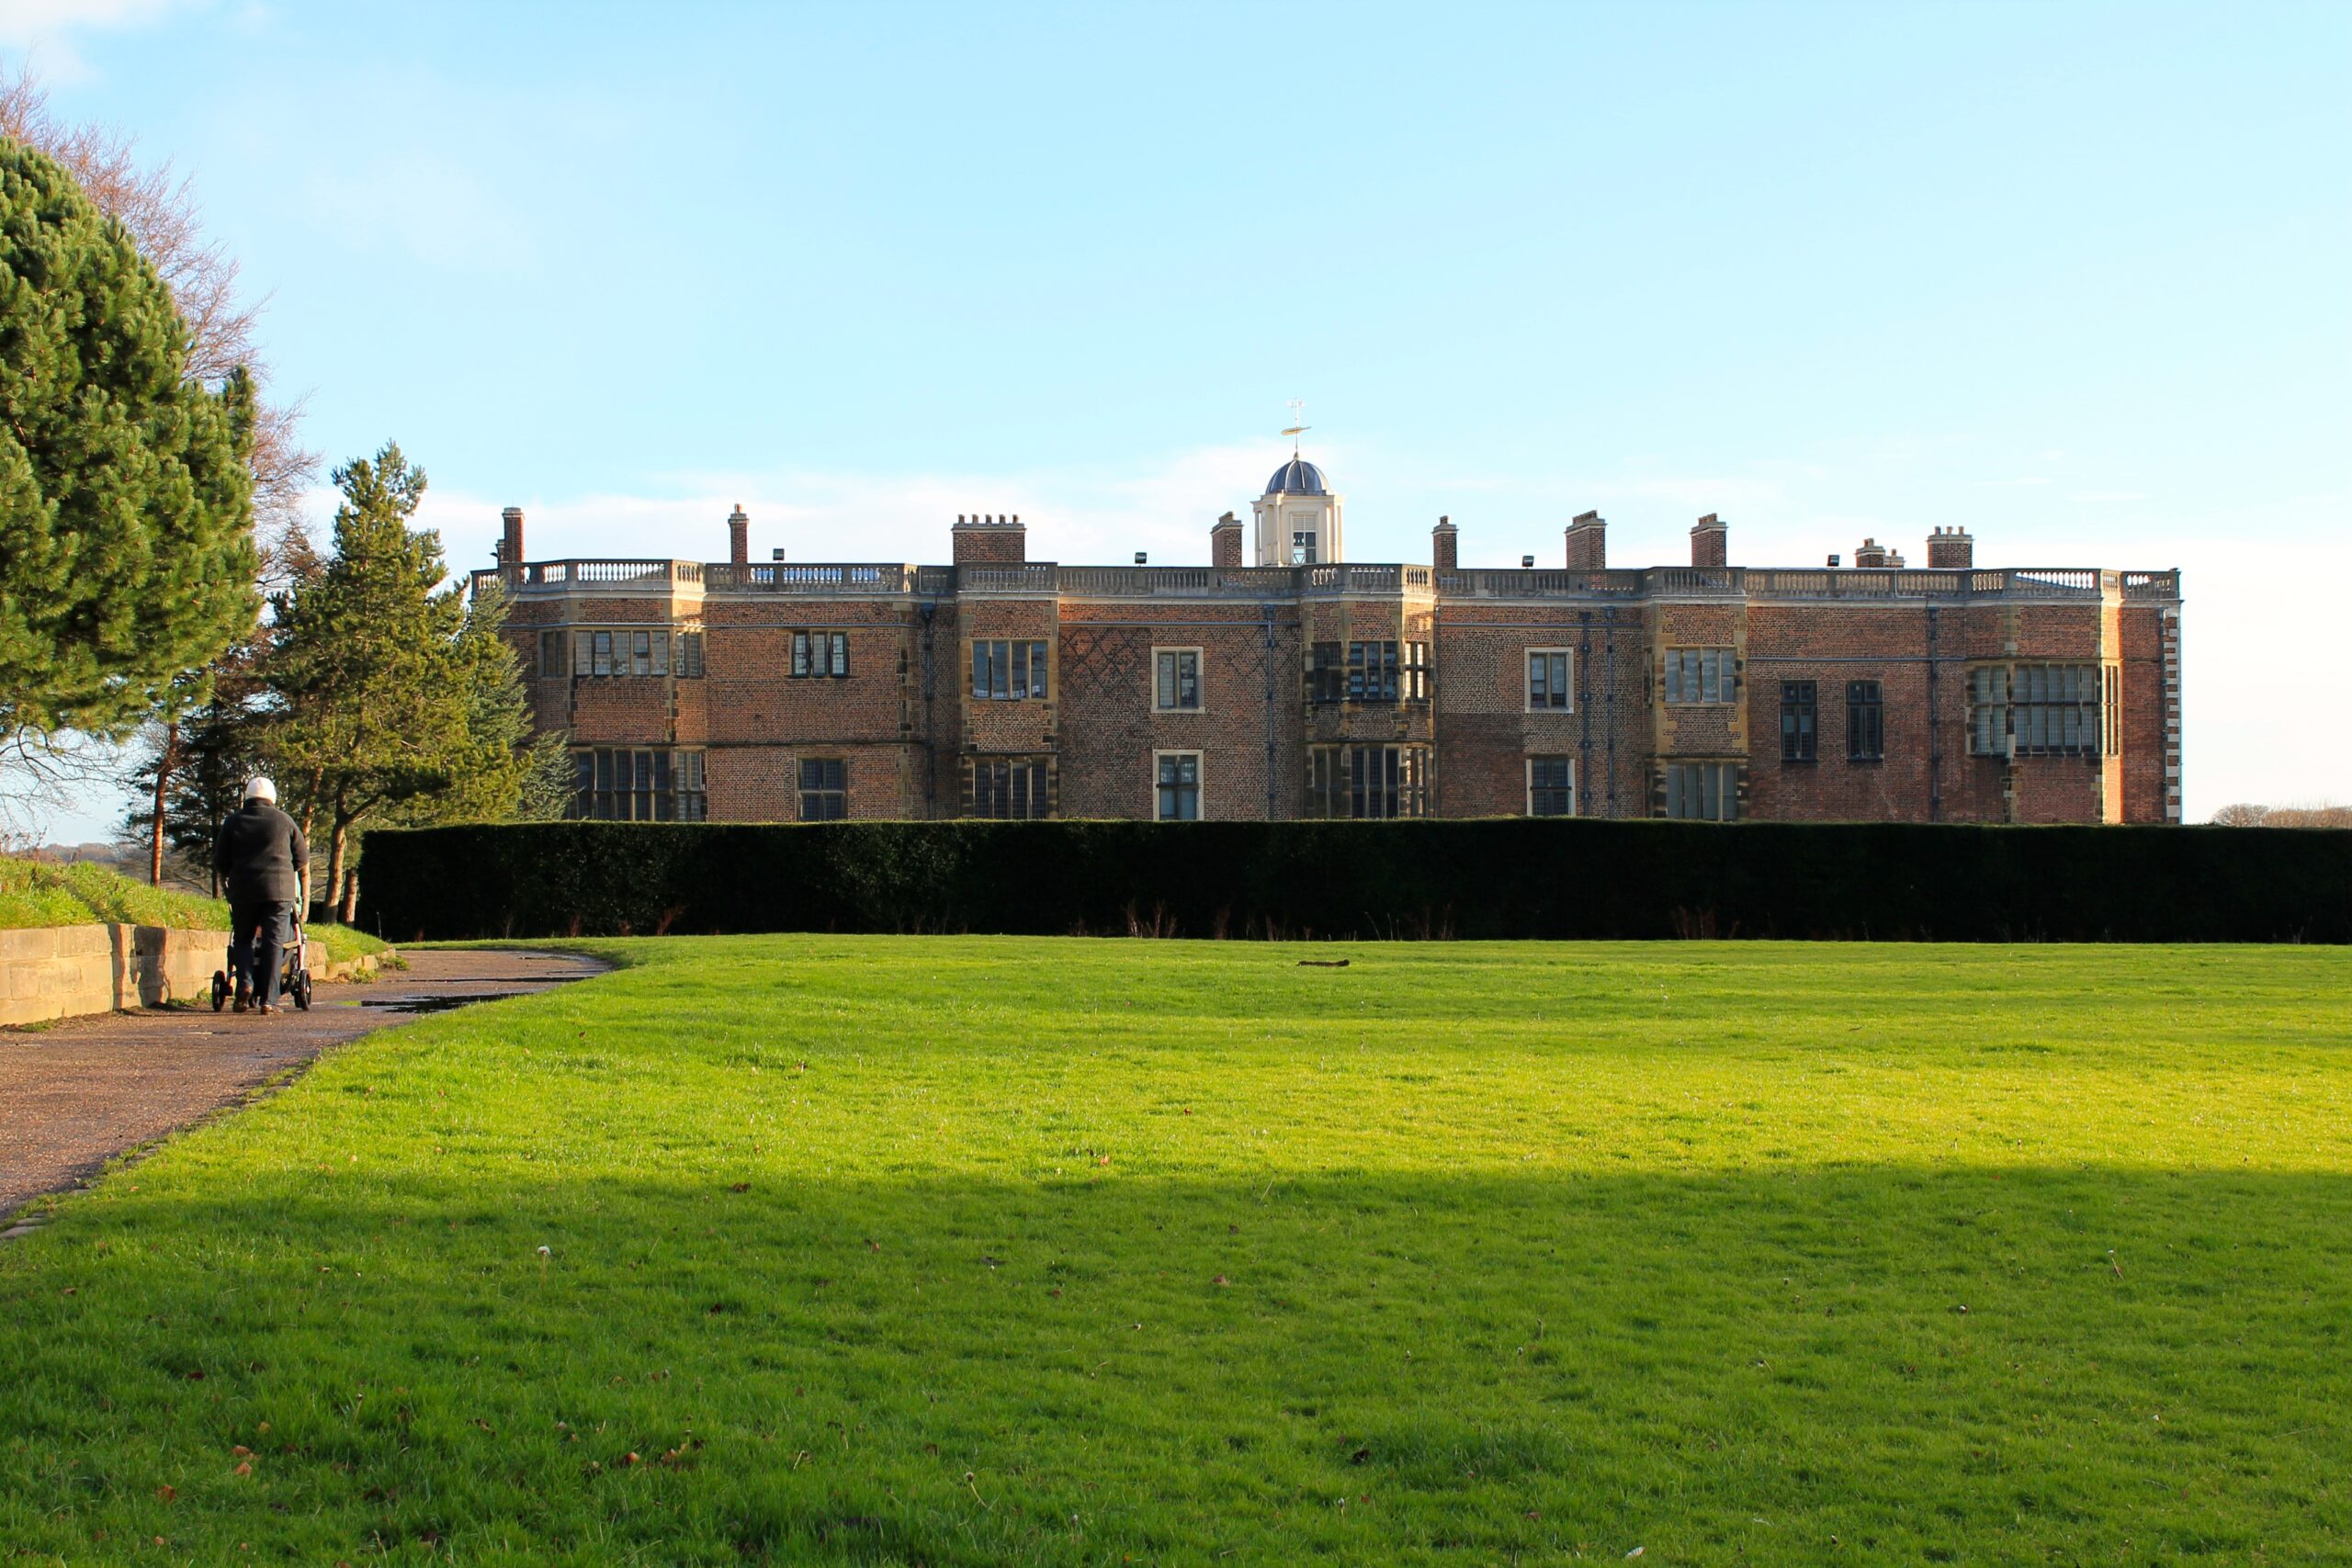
{"x": 1571, "y": 786}
{"x": 1200, "y": 677}
{"x": 1568, "y": 678}
{"x": 1199, "y": 785}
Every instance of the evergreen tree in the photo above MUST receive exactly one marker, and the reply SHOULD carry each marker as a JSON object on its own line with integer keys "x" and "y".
{"x": 375, "y": 701}
{"x": 500, "y": 760}
{"x": 194, "y": 767}
{"x": 126, "y": 541}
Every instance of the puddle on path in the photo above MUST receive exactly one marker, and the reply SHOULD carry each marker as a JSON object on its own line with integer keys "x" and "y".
{"x": 437, "y": 1004}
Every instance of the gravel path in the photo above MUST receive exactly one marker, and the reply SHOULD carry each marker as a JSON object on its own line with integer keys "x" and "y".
{"x": 77, "y": 1094}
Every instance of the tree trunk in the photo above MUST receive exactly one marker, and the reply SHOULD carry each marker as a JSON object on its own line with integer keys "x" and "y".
{"x": 350, "y": 910}
{"x": 311, "y": 801}
{"x": 339, "y": 825}
{"x": 165, "y": 760}
{"x": 335, "y": 864}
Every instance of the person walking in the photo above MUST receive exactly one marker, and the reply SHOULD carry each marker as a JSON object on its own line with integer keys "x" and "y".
{"x": 263, "y": 860}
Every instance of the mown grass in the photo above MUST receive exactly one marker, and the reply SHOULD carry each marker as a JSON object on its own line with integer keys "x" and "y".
{"x": 41, "y": 893}
{"x": 998, "y": 1251}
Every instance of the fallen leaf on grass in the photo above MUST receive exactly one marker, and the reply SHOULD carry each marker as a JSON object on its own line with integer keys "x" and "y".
{"x": 741, "y": 1187}
{"x": 244, "y": 1469}
{"x": 167, "y": 1493}
{"x": 1223, "y": 1280}
{"x": 239, "y": 1450}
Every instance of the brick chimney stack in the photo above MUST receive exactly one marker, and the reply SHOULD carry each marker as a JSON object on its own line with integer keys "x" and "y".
{"x": 981, "y": 540}
{"x": 1444, "y": 547}
{"x": 1224, "y": 542}
{"x": 1871, "y": 553}
{"x": 509, "y": 548}
{"x": 739, "y": 535}
{"x": 1588, "y": 539}
{"x": 1709, "y": 542}
{"x": 1951, "y": 549}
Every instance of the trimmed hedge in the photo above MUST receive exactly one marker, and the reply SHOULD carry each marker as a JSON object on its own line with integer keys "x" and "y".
{"x": 1504, "y": 877}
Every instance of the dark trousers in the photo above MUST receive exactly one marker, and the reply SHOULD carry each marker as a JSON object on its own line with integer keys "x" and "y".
{"x": 259, "y": 932}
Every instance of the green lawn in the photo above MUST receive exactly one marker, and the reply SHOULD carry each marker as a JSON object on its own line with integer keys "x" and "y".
{"x": 996, "y": 1250}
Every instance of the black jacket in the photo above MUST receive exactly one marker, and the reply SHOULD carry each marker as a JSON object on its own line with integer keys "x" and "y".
{"x": 261, "y": 855}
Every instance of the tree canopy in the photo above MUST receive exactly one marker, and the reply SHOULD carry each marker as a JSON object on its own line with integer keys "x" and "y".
{"x": 126, "y": 501}
{"x": 392, "y": 700}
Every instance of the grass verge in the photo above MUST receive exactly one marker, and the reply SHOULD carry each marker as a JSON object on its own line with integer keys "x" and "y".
{"x": 891, "y": 1250}
{"x": 39, "y": 893}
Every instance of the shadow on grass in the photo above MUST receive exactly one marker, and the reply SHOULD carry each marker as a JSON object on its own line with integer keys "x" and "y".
{"x": 1907, "y": 1364}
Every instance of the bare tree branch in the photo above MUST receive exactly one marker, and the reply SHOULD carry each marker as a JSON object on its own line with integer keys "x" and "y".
{"x": 42, "y": 774}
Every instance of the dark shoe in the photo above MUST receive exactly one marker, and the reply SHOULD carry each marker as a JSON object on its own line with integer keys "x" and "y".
{"x": 240, "y": 1005}
{"x": 266, "y": 1009}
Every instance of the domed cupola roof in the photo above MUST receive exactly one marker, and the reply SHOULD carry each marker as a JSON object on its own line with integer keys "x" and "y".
{"x": 1298, "y": 477}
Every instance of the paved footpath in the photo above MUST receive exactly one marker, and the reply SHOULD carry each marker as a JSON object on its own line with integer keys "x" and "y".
{"x": 78, "y": 1092}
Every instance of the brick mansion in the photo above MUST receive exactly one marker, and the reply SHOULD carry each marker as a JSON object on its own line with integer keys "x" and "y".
{"x": 1304, "y": 684}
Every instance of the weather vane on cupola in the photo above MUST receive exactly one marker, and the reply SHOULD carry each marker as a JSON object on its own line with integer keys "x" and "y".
{"x": 1297, "y": 413}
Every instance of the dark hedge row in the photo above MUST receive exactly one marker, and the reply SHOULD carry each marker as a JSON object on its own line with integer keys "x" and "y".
{"x": 1498, "y": 878}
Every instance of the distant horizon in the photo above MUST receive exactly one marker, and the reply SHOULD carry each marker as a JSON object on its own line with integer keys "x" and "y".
{"x": 2068, "y": 277}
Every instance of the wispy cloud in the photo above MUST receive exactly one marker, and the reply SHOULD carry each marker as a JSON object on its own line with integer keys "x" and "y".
{"x": 47, "y": 29}
{"x": 2107, "y": 495}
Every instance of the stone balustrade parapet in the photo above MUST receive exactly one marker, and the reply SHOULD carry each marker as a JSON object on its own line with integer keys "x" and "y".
{"x": 1341, "y": 580}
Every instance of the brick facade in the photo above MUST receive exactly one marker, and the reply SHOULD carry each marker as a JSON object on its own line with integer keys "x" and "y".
{"x": 1792, "y": 695}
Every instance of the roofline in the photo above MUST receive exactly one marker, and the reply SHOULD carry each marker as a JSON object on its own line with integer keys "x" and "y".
{"x": 639, "y": 578}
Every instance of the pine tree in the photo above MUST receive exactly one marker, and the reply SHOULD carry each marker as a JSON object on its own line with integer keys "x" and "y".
{"x": 375, "y": 701}
{"x": 126, "y": 504}
{"x": 501, "y": 758}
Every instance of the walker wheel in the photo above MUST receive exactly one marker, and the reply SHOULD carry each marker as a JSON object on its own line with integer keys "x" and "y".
{"x": 302, "y": 990}
{"x": 220, "y": 990}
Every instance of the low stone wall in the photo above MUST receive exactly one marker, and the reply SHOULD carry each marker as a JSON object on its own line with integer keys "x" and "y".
{"x": 60, "y": 971}
{"x": 343, "y": 968}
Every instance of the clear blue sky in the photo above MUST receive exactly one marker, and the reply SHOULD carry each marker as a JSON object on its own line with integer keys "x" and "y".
{"x": 2073, "y": 275}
